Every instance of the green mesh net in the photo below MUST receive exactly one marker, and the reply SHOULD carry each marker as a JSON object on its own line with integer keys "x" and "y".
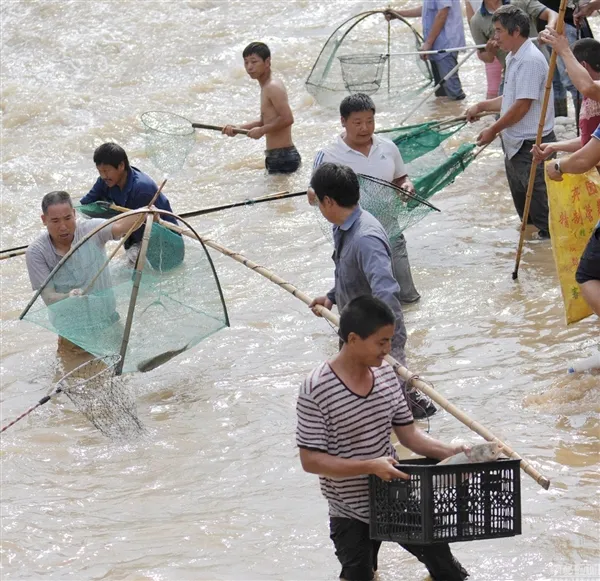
{"x": 179, "y": 300}
{"x": 358, "y": 58}
{"x": 414, "y": 141}
{"x": 164, "y": 252}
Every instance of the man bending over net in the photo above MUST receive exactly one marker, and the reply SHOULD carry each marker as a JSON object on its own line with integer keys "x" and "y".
{"x": 276, "y": 117}
{"x": 124, "y": 185}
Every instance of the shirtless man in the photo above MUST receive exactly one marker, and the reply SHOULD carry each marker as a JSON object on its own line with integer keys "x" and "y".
{"x": 276, "y": 117}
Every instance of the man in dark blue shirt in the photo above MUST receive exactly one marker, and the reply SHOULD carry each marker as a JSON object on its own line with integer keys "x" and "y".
{"x": 124, "y": 185}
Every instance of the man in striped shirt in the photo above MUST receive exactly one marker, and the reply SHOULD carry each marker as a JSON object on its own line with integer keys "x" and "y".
{"x": 347, "y": 409}
{"x": 520, "y": 109}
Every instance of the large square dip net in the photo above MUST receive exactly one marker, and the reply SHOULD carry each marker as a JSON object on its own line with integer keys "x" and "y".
{"x": 149, "y": 314}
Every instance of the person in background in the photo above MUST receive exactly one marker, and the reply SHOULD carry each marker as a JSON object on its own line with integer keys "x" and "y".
{"x": 582, "y": 62}
{"x": 347, "y": 408}
{"x": 482, "y": 28}
{"x": 561, "y": 83}
{"x": 520, "y": 109}
{"x": 124, "y": 185}
{"x": 493, "y": 70}
{"x": 588, "y": 271}
{"x": 361, "y": 149}
{"x": 276, "y": 118}
{"x": 442, "y": 29}
{"x": 362, "y": 257}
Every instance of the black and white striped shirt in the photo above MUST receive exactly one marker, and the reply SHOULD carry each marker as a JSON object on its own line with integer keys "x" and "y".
{"x": 334, "y": 420}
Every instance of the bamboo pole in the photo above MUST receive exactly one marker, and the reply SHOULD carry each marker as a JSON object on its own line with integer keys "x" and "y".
{"x": 139, "y": 268}
{"x": 402, "y": 371}
{"x": 218, "y": 128}
{"x": 538, "y": 140}
{"x": 432, "y": 92}
{"x": 389, "y": 50}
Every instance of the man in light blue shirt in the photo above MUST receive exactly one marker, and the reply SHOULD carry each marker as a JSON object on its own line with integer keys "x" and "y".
{"x": 362, "y": 255}
{"x": 442, "y": 29}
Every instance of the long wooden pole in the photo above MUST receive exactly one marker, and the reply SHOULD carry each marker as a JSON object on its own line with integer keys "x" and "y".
{"x": 218, "y": 128}
{"x": 402, "y": 371}
{"x": 538, "y": 140}
{"x": 139, "y": 268}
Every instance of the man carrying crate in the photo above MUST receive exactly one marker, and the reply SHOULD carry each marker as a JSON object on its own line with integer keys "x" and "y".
{"x": 346, "y": 409}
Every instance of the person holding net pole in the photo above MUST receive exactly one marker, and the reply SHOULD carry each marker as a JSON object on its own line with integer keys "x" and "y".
{"x": 520, "y": 109}
{"x": 276, "y": 118}
{"x": 362, "y": 257}
{"x": 442, "y": 29}
{"x": 123, "y": 185}
{"x": 370, "y": 154}
{"x": 63, "y": 231}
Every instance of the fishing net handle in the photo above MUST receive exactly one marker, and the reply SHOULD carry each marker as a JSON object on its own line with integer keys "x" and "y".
{"x": 237, "y": 130}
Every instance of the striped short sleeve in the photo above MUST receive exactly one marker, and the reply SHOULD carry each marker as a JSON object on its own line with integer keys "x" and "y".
{"x": 311, "y": 429}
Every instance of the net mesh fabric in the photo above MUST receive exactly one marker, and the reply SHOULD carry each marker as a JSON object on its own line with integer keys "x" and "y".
{"x": 397, "y": 213}
{"x": 103, "y": 398}
{"x": 367, "y": 33}
{"x": 179, "y": 302}
{"x": 414, "y": 141}
{"x": 169, "y": 139}
{"x": 363, "y": 73}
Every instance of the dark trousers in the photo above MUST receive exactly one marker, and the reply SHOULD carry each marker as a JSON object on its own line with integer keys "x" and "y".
{"x": 517, "y": 173}
{"x": 357, "y": 553}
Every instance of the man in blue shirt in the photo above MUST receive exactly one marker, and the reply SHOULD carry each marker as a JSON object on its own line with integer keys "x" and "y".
{"x": 442, "y": 29}
{"x": 362, "y": 255}
{"x": 124, "y": 185}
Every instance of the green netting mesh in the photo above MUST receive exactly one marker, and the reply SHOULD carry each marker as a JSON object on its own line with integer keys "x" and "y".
{"x": 159, "y": 256}
{"x": 413, "y": 141}
{"x": 356, "y": 58}
{"x": 177, "y": 306}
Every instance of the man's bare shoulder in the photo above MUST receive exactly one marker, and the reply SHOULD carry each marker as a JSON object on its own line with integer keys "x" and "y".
{"x": 274, "y": 87}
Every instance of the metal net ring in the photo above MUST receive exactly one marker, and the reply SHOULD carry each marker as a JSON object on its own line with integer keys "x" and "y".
{"x": 167, "y": 123}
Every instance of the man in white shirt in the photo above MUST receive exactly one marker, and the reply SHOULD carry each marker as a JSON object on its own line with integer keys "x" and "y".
{"x": 520, "y": 110}
{"x": 366, "y": 153}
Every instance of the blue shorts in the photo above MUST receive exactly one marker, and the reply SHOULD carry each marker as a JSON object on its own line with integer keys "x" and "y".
{"x": 589, "y": 265}
{"x": 282, "y": 160}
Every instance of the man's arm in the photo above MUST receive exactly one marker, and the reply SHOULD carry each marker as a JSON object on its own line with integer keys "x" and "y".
{"x": 517, "y": 111}
{"x": 586, "y": 9}
{"x": 279, "y": 100}
{"x": 391, "y": 14}
{"x": 376, "y": 264}
{"x": 577, "y": 73}
{"x": 122, "y": 226}
{"x": 545, "y": 150}
{"x": 437, "y": 27}
{"x": 335, "y": 467}
{"x": 580, "y": 162}
{"x": 419, "y": 442}
{"x": 98, "y": 192}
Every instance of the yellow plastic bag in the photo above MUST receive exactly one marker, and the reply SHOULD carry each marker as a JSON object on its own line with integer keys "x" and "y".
{"x": 574, "y": 212}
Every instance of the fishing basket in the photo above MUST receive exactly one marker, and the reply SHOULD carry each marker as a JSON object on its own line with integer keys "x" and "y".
{"x": 362, "y": 73}
{"x": 447, "y": 503}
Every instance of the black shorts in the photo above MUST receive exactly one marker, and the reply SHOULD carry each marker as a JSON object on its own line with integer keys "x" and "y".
{"x": 282, "y": 160}
{"x": 589, "y": 265}
{"x": 357, "y": 553}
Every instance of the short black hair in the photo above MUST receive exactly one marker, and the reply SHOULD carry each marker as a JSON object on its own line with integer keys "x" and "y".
{"x": 338, "y": 182}
{"x": 111, "y": 154}
{"x": 356, "y": 104}
{"x": 260, "y": 49}
{"x": 588, "y": 50}
{"x": 511, "y": 18}
{"x": 364, "y": 316}
{"x": 55, "y": 198}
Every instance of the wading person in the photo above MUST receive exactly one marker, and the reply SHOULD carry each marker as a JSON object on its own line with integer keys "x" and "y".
{"x": 276, "y": 117}
{"x": 520, "y": 109}
{"x": 347, "y": 409}
{"x": 362, "y": 257}
{"x": 366, "y": 153}
{"x": 442, "y": 29}
{"x": 124, "y": 185}
{"x": 62, "y": 232}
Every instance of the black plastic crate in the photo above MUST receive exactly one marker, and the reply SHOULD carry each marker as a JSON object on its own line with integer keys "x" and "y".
{"x": 448, "y": 503}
